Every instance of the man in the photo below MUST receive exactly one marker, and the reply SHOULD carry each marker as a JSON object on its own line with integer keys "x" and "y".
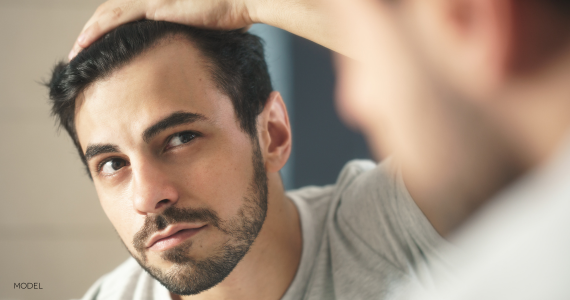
{"x": 183, "y": 137}
{"x": 472, "y": 98}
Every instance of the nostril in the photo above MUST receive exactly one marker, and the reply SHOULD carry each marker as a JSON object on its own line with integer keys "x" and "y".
{"x": 162, "y": 202}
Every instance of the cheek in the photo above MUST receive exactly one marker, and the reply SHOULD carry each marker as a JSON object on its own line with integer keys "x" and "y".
{"x": 121, "y": 213}
{"x": 219, "y": 180}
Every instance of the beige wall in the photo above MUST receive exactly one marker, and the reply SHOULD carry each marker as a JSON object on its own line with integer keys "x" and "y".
{"x": 52, "y": 229}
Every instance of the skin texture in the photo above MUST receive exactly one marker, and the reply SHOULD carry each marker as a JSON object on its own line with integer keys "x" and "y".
{"x": 213, "y": 171}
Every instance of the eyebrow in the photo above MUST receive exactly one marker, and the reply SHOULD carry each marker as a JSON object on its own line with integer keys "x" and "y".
{"x": 174, "y": 119}
{"x": 96, "y": 149}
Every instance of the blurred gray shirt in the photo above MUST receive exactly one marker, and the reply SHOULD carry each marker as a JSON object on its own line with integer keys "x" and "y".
{"x": 516, "y": 247}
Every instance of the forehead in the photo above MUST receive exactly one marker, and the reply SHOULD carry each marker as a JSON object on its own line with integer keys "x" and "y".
{"x": 170, "y": 77}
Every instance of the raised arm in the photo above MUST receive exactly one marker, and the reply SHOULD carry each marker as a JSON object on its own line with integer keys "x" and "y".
{"x": 311, "y": 19}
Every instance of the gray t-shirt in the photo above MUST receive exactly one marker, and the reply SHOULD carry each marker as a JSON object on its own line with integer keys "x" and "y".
{"x": 361, "y": 237}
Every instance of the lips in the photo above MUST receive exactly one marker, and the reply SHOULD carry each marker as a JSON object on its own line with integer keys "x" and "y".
{"x": 172, "y": 236}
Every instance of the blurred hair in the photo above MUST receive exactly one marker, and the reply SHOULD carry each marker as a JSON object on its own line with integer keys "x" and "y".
{"x": 562, "y": 5}
{"x": 235, "y": 60}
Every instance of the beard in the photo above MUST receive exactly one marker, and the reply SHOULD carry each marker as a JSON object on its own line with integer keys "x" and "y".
{"x": 190, "y": 276}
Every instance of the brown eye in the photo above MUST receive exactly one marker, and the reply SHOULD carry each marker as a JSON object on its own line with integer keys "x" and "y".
{"x": 181, "y": 138}
{"x": 112, "y": 165}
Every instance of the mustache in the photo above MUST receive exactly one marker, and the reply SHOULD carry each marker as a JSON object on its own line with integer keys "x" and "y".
{"x": 172, "y": 215}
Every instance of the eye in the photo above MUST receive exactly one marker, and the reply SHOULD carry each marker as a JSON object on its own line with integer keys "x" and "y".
{"x": 111, "y": 166}
{"x": 180, "y": 138}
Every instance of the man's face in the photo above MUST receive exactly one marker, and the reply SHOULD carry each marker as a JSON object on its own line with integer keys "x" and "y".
{"x": 183, "y": 185}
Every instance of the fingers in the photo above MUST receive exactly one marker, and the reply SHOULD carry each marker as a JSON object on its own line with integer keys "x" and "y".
{"x": 85, "y": 39}
{"x": 108, "y": 16}
{"x": 216, "y": 14}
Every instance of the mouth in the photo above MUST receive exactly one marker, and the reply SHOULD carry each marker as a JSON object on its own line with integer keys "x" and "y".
{"x": 172, "y": 236}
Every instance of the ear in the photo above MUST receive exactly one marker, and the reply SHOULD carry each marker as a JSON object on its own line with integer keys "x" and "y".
{"x": 469, "y": 42}
{"x": 486, "y": 29}
{"x": 274, "y": 133}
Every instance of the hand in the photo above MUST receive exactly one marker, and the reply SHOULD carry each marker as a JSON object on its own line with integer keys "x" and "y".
{"x": 215, "y": 14}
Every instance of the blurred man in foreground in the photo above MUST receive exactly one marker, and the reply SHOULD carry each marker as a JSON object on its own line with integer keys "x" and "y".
{"x": 470, "y": 96}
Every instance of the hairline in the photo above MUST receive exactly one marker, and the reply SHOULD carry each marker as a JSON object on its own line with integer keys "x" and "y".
{"x": 208, "y": 66}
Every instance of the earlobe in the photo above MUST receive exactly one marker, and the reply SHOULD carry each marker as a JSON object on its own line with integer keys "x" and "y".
{"x": 275, "y": 133}
{"x": 498, "y": 28}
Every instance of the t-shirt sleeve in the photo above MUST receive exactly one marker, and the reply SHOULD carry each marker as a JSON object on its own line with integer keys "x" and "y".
{"x": 376, "y": 209}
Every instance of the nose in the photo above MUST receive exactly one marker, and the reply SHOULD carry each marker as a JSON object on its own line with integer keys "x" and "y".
{"x": 153, "y": 190}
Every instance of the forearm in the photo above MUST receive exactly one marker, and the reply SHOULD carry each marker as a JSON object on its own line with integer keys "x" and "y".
{"x": 321, "y": 21}
{"x": 310, "y": 19}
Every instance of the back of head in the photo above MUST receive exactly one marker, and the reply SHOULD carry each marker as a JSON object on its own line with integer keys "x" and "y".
{"x": 235, "y": 60}
{"x": 561, "y": 5}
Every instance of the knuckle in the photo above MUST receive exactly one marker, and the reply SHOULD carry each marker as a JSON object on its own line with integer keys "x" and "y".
{"x": 116, "y": 13}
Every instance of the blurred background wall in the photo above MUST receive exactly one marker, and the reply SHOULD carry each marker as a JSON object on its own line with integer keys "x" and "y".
{"x": 52, "y": 229}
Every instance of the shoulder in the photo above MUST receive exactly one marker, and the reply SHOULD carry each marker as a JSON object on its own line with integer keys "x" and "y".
{"x": 364, "y": 180}
{"x": 127, "y": 281}
{"x": 316, "y": 203}
{"x": 359, "y": 173}
{"x": 376, "y": 210}
{"x": 351, "y": 170}
{"x": 378, "y": 197}
{"x": 356, "y": 167}
{"x": 366, "y": 176}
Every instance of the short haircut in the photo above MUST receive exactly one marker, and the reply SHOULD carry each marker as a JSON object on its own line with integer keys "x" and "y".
{"x": 235, "y": 60}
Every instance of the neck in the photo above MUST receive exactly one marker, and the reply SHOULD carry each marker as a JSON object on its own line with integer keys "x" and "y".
{"x": 271, "y": 263}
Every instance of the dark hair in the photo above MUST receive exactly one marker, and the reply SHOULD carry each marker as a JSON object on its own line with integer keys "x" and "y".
{"x": 235, "y": 60}
{"x": 563, "y": 5}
